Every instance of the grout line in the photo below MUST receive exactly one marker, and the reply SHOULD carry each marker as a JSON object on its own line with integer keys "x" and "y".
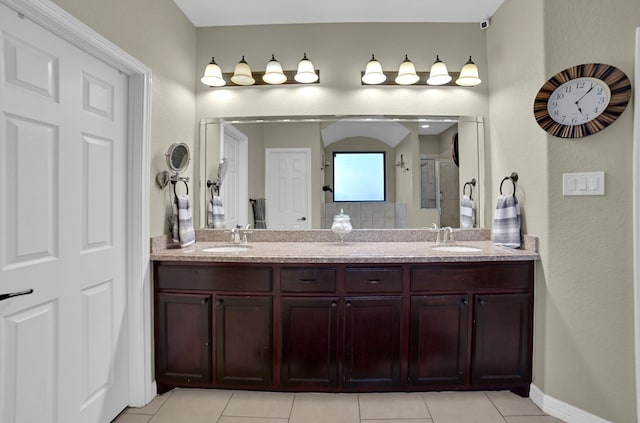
{"x": 495, "y": 406}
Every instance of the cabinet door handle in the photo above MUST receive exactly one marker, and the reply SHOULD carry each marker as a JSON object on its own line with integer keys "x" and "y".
{"x": 15, "y": 294}
{"x": 464, "y": 301}
{"x": 374, "y": 281}
{"x": 334, "y": 304}
{"x": 480, "y": 301}
{"x": 348, "y": 303}
{"x": 308, "y": 281}
{"x": 218, "y": 303}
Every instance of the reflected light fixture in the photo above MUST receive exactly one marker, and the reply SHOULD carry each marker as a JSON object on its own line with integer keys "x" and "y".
{"x": 407, "y": 73}
{"x": 438, "y": 75}
{"x": 242, "y": 74}
{"x": 306, "y": 73}
{"x": 213, "y": 75}
{"x": 468, "y": 75}
{"x": 373, "y": 73}
{"x": 274, "y": 74}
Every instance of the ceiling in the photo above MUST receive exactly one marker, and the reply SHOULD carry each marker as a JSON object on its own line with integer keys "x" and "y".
{"x": 259, "y": 12}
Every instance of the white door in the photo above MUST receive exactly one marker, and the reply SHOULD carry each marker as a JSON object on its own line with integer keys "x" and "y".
{"x": 63, "y": 348}
{"x": 234, "y": 192}
{"x": 288, "y": 188}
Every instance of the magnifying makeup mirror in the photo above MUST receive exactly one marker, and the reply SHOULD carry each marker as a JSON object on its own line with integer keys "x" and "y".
{"x": 178, "y": 157}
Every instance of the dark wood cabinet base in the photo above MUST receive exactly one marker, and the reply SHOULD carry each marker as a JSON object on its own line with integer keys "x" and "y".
{"x": 344, "y": 327}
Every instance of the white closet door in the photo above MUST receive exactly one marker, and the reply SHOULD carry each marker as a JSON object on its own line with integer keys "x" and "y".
{"x": 63, "y": 348}
{"x": 288, "y": 188}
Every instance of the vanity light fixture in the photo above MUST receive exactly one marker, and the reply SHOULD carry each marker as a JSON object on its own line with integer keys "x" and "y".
{"x": 306, "y": 73}
{"x": 213, "y": 75}
{"x": 373, "y": 73}
{"x": 242, "y": 74}
{"x": 469, "y": 75}
{"x": 274, "y": 74}
{"x": 439, "y": 75}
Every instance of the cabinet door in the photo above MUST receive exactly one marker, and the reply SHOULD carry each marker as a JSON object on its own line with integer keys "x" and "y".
{"x": 309, "y": 342}
{"x": 183, "y": 348}
{"x": 502, "y": 349}
{"x": 372, "y": 341}
{"x": 243, "y": 341}
{"x": 439, "y": 340}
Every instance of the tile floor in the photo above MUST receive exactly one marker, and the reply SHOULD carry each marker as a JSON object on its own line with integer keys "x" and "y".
{"x": 218, "y": 406}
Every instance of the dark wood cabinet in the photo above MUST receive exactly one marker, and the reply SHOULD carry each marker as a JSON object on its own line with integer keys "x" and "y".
{"x": 309, "y": 342}
{"x": 243, "y": 340}
{"x": 373, "y": 332}
{"x": 183, "y": 339}
{"x": 344, "y": 327}
{"x": 439, "y": 340}
{"x": 502, "y": 342}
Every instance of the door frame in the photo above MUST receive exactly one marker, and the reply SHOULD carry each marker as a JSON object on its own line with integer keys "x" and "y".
{"x": 243, "y": 167}
{"x": 53, "y": 18}
{"x": 636, "y": 221}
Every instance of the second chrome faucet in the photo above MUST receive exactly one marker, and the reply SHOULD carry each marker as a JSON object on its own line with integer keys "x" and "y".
{"x": 444, "y": 234}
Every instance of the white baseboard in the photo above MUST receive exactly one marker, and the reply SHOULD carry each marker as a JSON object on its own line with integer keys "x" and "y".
{"x": 561, "y": 410}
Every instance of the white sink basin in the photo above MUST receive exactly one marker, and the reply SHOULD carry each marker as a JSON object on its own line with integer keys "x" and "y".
{"x": 457, "y": 248}
{"x": 226, "y": 249}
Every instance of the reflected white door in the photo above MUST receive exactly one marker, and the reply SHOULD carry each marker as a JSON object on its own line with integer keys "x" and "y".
{"x": 234, "y": 192}
{"x": 63, "y": 348}
{"x": 287, "y": 188}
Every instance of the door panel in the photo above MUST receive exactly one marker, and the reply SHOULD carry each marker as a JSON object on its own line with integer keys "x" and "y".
{"x": 287, "y": 188}
{"x": 63, "y": 139}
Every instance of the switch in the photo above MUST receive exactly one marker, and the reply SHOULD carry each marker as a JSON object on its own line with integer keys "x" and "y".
{"x": 591, "y": 183}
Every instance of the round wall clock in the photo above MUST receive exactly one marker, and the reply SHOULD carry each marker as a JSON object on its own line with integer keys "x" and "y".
{"x": 582, "y": 100}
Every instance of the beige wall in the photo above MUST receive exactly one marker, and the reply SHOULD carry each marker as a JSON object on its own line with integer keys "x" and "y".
{"x": 159, "y": 35}
{"x": 584, "y": 288}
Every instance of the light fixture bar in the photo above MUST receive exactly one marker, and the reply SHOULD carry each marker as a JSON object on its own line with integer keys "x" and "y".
{"x": 258, "y": 77}
{"x": 421, "y": 82}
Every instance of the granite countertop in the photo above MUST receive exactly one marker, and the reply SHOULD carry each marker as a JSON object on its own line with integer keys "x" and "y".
{"x": 347, "y": 252}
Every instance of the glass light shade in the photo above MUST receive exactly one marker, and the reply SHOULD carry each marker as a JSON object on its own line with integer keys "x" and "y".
{"x": 273, "y": 74}
{"x": 242, "y": 74}
{"x": 373, "y": 73}
{"x": 439, "y": 75}
{"x": 213, "y": 75}
{"x": 468, "y": 75}
{"x": 407, "y": 73}
{"x": 306, "y": 73}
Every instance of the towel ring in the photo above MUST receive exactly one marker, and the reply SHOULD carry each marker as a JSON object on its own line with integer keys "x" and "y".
{"x": 471, "y": 183}
{"x": 174, "y": 186}
{"x": 513, "y": 178}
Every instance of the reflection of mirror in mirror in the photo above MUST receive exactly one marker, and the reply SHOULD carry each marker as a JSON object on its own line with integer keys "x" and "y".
{"x": 405, "y": 190}
{"x": 178, "y": 157}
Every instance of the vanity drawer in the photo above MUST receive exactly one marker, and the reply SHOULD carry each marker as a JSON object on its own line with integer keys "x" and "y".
{"x": 207, "y": 277}
{"x": 311, "y": 279}
{"x": 472, "y": 276}
{"x": 373, "y": 279}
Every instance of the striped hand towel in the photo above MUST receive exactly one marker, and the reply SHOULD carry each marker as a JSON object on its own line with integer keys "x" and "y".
{"x": 215, "y": 213}
{"x": 466, "y": 212}
{"x": 183, "y": 232}
{"x": 506, "y": 223}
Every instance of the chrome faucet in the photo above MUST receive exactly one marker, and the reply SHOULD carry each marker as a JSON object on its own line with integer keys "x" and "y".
{"x": 235, "y": 236}
{"x": 444, "y": 234}
{"x": 239, "y": 235}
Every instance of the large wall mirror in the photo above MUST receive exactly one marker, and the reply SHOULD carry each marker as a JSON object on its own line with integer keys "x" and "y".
{"x": 281, "y": 169}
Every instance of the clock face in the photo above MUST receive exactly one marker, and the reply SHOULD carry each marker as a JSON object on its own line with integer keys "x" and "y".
{"x": 579, "y": 101}
{"x": 582, "y": 100}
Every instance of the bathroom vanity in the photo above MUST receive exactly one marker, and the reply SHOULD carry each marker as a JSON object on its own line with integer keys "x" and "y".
{"x": 366, "y": 316}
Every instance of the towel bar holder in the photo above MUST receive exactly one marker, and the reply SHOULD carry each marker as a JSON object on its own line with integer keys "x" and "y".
{"x": 513, "y": 178}
{"x": 175, "y": 181}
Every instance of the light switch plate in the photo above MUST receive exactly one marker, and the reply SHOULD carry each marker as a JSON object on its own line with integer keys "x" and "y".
{"x": 590, "y": 183}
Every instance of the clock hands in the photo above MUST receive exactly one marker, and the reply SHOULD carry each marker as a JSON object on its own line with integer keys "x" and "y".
{"x": 578, "y": 100}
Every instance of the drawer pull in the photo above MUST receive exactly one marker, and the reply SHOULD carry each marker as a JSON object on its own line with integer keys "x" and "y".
{"x": 374, "y": 281}
{"x": 308, "y": 281}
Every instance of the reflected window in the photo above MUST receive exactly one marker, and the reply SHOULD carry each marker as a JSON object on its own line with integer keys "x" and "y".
{"x": 359, "y": 176}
